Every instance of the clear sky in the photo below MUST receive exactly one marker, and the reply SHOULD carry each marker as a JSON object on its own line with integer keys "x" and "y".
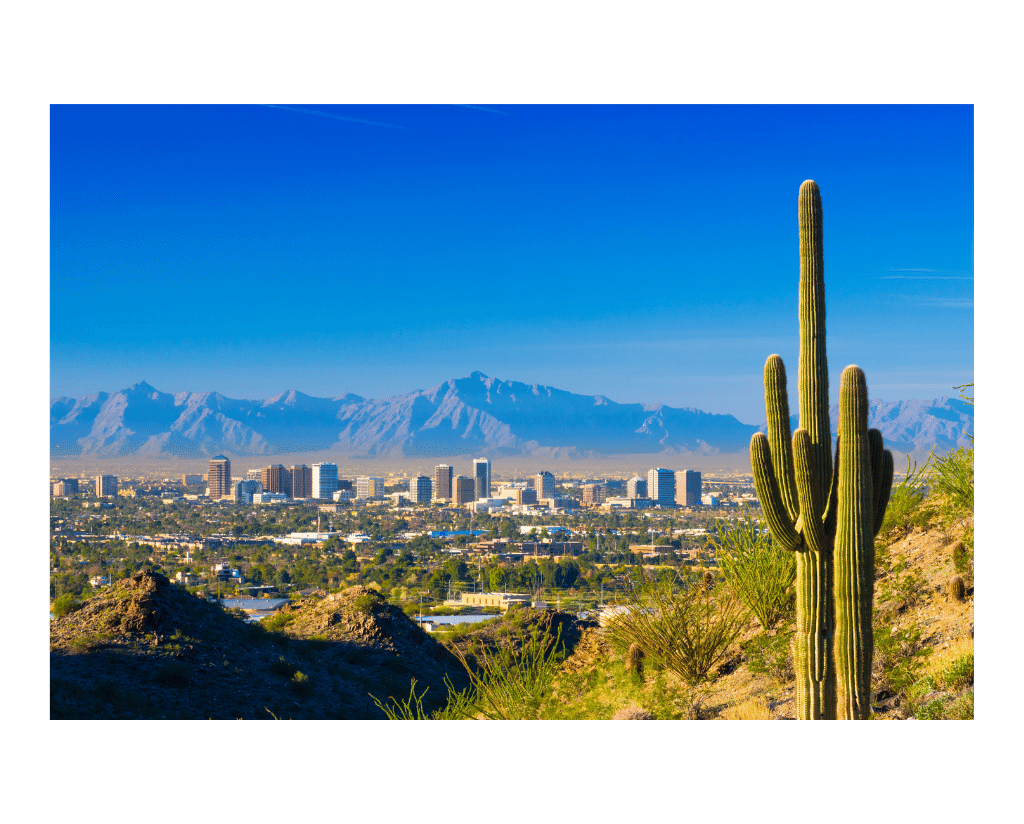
{"x": 646, "y": 253}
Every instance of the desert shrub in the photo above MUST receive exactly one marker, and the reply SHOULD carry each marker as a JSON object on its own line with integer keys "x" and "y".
{"x": 514, "y": 681}
{"x": 688, "y": 630}
{"x": 753, "y": 709}
{"x": 760, "y": 574}
{"x": 411, "y": 709}
{"x": 899, "y": 659}
{"x": 951, "y": 478}
{"x": 276, "y": 623}
{"x": 65, "y": 604}
{"x": 771, "y": 654}
{"x": 962, "y": 709}
{"x": 932, "y": 711}
{"x": 365, "y": 603}
{"x": 959, "y": 674}
{"x": 906, "y": 503}
{"x": 301, "y": 684}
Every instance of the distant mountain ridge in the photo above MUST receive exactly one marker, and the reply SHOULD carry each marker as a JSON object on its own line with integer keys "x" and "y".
{"x": 476, "y": 414}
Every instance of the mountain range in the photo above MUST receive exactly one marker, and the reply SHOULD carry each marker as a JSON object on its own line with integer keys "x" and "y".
{"x": 476, "y": 415}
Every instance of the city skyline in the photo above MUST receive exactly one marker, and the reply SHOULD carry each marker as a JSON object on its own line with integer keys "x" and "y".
{"x": 645, "y": 253}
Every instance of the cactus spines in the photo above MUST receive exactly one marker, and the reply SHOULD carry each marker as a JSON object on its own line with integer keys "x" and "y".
{"x": 826, "y": 509}
{"x": 957, "y": 590}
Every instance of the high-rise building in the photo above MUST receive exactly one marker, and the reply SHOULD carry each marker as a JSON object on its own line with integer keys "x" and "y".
{"x": 254, "y": 475}
{"x": 636, "y": 487}
{"x": 482, "y": 478}
{"x": 219, "y": 478}
{"x": 421, "y": 489}
{"x": 367, "y": 487}
{"x": 276, "y": 479}
{"x": 594, "y": 494}
{"x": 442, "y": 483}
{"x": 302, "y": 481}
{"x": 661, "y": 486}
{"x": 688, "y": 488}
{"x": 106, "y": 485}
{"x": 464, "y": 490}
{"x": 191, "y": 480}
{"x": 325, "y": 481}
{"x": 544, "y": 483}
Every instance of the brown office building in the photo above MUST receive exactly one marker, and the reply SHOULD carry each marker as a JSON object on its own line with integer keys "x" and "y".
{"x": 220, "y": 477}
{"x": 302, "y": 481}
{"x": 443, "y": 483}
{"x": 276, "y": 479}
{"x": 594, "y": 494}
{"x": 465, "y": 490}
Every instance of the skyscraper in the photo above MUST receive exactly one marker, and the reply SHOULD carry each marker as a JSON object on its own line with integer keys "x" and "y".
{"x": 276, "y": 479}
{"x": 302, "y": 481}
{"x": 325, "y": 481}
{"x": 421, "y": 489}
{"x": 482, "y": 478}
{"x": 544, "y": 483}
{"x": 442, "y": 483}
{"x": 636, "y": 487}
{"x": 694, "y": 488}
{"x": 661, "y": 486}
{"x": 106, "y": 485}
{"x": 219, "y": 478}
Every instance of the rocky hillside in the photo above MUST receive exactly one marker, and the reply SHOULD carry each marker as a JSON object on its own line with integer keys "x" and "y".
{"x": 149, "y": 649}
{"x": 924, "y": 654}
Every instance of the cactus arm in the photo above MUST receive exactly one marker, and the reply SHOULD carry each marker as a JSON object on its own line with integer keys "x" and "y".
{"x": 829, "y": 519}
{"x": 768, "y": 494}
{"x": 810, "y": 502}
{"x": 854, "y": 552}
{"x": 776, "y": 402}
{"x": 881, "y": 477}
{"x": 812, "y": 376}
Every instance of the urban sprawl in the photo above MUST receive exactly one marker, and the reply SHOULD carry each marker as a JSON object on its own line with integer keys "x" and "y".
{"x": 443, "y": 543}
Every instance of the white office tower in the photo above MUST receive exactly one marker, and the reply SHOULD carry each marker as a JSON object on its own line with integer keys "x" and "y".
{"x": 325, "y": 481}
{"x": 368, "y": 487}
{"x": 421, "y": 489}
{"x": 482, "y": 478}
{"x": 636, "y": 487}
{"x": 661, "y": 487}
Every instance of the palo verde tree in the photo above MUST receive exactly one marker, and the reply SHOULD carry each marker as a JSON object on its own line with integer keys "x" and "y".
{"x": 827, "y": 512}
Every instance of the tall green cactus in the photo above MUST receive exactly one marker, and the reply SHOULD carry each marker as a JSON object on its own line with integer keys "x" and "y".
{"x": 827, "y": 513}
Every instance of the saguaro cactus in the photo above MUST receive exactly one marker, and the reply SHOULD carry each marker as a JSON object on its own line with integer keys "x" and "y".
{"x": 812, "y": 506}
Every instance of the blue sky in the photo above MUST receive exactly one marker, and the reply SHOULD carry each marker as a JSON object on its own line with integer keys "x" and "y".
{"x": 647, "y": 253}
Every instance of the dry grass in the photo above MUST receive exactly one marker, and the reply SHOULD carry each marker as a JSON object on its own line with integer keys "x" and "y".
{"x": 753, "y": 709}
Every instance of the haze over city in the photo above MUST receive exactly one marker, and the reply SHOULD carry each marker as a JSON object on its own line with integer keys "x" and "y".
{"x": 644, "y": 253}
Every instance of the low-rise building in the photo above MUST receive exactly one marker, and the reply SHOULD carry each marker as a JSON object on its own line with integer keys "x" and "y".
{"x": 501, "y": 600}
{"x": 224, "y": 572}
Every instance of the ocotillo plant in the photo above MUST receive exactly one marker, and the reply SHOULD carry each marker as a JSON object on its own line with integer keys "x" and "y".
{"x": 814, "y": 508}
